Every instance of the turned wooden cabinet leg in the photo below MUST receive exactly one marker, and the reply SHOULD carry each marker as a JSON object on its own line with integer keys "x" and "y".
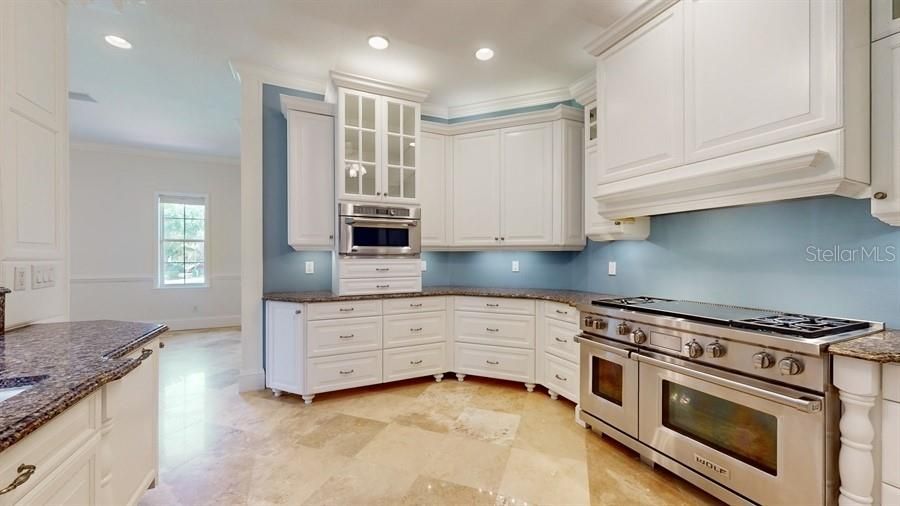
{"x": 276, "y": 392}
{"x": 859, "y": 382}
{"x": 438, "y": 377}
{"x": 529, "y": 387}
{"x": 460, "y": 377}
{"x": 307, "y": 399}
{"x": 553, "y": 395}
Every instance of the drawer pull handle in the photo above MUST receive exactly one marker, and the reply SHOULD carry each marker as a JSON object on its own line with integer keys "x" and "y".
{"x": 493, "y": 363}
{"x": 417, "y": 329}
{"x": 382, "y": 269}
{"x": 299, "y": 311}
{"x": 415, "y": 362}
{"x": 416, "y": 305}
{"x": 382, "y": 286}
{"x": 145, "y": 354}
{"x": 492, "y": 305}
{"x": 25, "y": 471}
{"x": 560, "y": 311}
{"x": 351, "y": 371}
{"x": 350, "y": 336}
{"x": 491, "y": 330}
{"x": 561, "y": 340}
{"x": 560, "y": 378}
{"x": 345, "y": 309}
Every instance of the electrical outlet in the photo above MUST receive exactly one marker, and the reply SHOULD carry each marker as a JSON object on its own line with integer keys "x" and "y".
{"x": 424, "y": 266}
{"x": 310, "y": 267}
{"x": 19, "y": 278}
{"x": 612, "y": 268}
{"x": 515, "y": 266}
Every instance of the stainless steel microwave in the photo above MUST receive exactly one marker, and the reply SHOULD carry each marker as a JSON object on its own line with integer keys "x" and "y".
{"x": 379, "y": 231}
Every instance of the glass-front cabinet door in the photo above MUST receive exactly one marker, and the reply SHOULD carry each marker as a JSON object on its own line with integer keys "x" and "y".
{"x": 360, "y": 135}
{"x": 401, "y": 127}
{"x": 590, "y": 122}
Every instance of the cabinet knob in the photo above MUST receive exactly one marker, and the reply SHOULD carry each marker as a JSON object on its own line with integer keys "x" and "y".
{"x": 496, "y": 238}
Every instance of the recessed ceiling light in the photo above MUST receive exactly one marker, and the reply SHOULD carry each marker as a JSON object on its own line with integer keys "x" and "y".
{"x": 379, "y": 42}
{"x": 116, "y": 41}
{"x": 484, "y": 54}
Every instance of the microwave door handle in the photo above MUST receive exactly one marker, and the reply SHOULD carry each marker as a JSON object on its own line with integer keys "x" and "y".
{"x": 381, "y": 223}
{"x": 805, "y": 405}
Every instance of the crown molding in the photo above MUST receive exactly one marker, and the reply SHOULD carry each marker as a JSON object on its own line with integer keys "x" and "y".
{"x": 584, "y": 90}
{"x": 362, "y": 83}
{"x": 269, "y": 75}
{"x": 123, "y": 149}
{"x": 557, "y": 113}
{"x": 292, "y": 103}
{"x": 624, "y": 26}
{"x": 515, "y": 102}
{"x": 436, "y": 110}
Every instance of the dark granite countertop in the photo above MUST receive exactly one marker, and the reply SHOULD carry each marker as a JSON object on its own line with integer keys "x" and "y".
{"x": 571, "y": 297}
{"x": 65, "y": 362}
{"x": 882, "y": 347}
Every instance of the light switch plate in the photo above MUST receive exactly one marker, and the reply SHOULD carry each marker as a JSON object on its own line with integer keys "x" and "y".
{"x": 612, "y": 268}
{"x": 42, "y": 276}
{"x": 310, "y": 267}
{"x": 515, "y": 266}
{"x": 424, "y": 266}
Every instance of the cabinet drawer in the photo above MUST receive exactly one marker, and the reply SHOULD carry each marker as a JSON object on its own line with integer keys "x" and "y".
{"x": 415, "y": 361}
{"x": 890, "y": 496}
{"x": 890, "y": 380}
{"x": 560, "y": 311}
{"x": 495, "y": 329}
{"x": 559, "y": 339}
{"x": 344, "y": 371}
{"x": 499, "y": 362}
{"x": 345, "y": 335}
{"x": 369, "y": 286}
{"x": 890, "y": 442}
{"x": 561, "y": 376}
{"x": 379, "y": 268}
{"x": 414, "y": 305}
{"x": 75, "y": 431}
{"x": 411, "y": 329}
{"x": 344, "y": 309}
{"x": 495, "y": 305}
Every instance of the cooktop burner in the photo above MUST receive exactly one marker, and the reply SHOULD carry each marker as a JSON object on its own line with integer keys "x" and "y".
{"x": 803, "y": 326}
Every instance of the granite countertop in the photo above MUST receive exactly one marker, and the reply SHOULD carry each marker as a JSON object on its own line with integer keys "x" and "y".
{"x": 65, "y": 362}
{"x": 882, "y": 347}
{"x": 571, "y": 297}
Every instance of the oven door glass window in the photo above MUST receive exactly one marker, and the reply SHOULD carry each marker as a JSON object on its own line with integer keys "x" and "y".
{"x": 380, "y": 237}
{"x": 606, "y": 380}
{"x": 741, "y": 432}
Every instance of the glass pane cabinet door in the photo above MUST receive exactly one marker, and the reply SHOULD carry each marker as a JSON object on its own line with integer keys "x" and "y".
{"x": 359, "y": 145}
{"x": 401, "y": 149}
{"x": 592, "y": 123}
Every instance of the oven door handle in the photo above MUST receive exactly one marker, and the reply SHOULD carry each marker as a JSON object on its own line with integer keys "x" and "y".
{"x": 615, "y": 350}
{"x": 387, "y": 223}
{"x": 805, "y": 405}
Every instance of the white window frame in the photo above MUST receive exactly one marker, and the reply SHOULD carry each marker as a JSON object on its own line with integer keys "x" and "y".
{"x": 160, "y": 240}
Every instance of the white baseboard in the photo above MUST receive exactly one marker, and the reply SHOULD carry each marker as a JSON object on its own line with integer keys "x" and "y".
{"x": 206, "y": 322}
{"x": 250, "y": 381}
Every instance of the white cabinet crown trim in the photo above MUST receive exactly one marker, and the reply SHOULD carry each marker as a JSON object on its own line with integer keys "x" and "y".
{"x": 527, "y": 118}
{"x": 378, "y": 87}
{"x": 291, "y": 103}
{"x": 624, "y": 26}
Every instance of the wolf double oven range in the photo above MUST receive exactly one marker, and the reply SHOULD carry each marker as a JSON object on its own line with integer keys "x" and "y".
{"x": 736, "y": 400}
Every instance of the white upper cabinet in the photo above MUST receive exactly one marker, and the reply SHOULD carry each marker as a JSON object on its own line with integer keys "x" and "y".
{"x": 377, "y": 144}
{"x": 640, "y": 99}
{"x": 885, "y": 18}
{"x": 434, "y": 161}
{"x": 886, "y": 121}
{"x": 757, "y": 74}
{"x": 527, "y": 181}
{"x": 476, "y": 189}
{"x": 310, "y": 176}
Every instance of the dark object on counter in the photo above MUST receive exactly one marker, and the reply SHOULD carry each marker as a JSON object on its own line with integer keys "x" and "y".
{"x": 3, "y": 292}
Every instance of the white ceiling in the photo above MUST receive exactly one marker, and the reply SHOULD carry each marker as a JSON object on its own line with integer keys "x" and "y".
{"x": 174, "y": 90}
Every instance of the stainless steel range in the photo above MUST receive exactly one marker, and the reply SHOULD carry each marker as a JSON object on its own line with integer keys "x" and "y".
{"x": 736, "y": 400}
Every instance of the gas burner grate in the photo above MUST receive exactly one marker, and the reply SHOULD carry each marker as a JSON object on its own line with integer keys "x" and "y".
{"x": 628, "y": 301}
{"x": 808, "y": 327}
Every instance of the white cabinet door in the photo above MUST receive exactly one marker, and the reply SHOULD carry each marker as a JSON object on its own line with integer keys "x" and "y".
{"x": 569, "y": 206}
{"x": 310, "y": 181}
{"x": 433, "y": 188}
{"x": 476, "y": 189}
{"x": 640, "y": 100}
{"x": 885, "y": 18}
{"x": 886, "y": 122}
{"x": 399, "y": 177}
{"x": 757, "y": 76}
{"x": 526, "y": 216}
{"x": 358, "y": 145}
{"x": 285, "y": 346}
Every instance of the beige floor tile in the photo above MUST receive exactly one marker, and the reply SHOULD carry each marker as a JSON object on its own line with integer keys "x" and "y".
{"x": 497, "y": 395}
{"x": 364, "y": 483}
{"x": 465, "y": 461}
{"x": 402, "y": 447}
{"x": 540, "y": 478}
{"x": 486, "y": 425}
{"x": 341, "y": 434}
{"x": 374, "y": 405}
{"x": 438, "y": 407}
{"x": 552, "y": 431}
{"x": 429, "y": 491}
{"x": 287, "y": 475}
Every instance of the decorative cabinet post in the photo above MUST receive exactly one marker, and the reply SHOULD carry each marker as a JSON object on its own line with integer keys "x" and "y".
{"x": 859, "y": 382}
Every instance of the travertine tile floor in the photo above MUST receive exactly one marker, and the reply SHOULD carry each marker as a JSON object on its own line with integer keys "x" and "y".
{"x": 414, "y": 442}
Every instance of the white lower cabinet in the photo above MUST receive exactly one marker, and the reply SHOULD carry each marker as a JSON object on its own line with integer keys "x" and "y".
{"x": 495, "y": 362}
{"x": 890, "y": 496}
{"x": 561, "y": 377}
{"x": 495, "y": 329}
{"x": 558, "y": 353}
{"x": 344, "y": 371}
{"x": 412, "y": 329}
{"x": 559, "y": 339}
{"x": 415, "y": 361}
{"x": 348, "y": 335}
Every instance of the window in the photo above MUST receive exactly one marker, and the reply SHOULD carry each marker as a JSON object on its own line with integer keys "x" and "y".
{"x": 182, "y": 240}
